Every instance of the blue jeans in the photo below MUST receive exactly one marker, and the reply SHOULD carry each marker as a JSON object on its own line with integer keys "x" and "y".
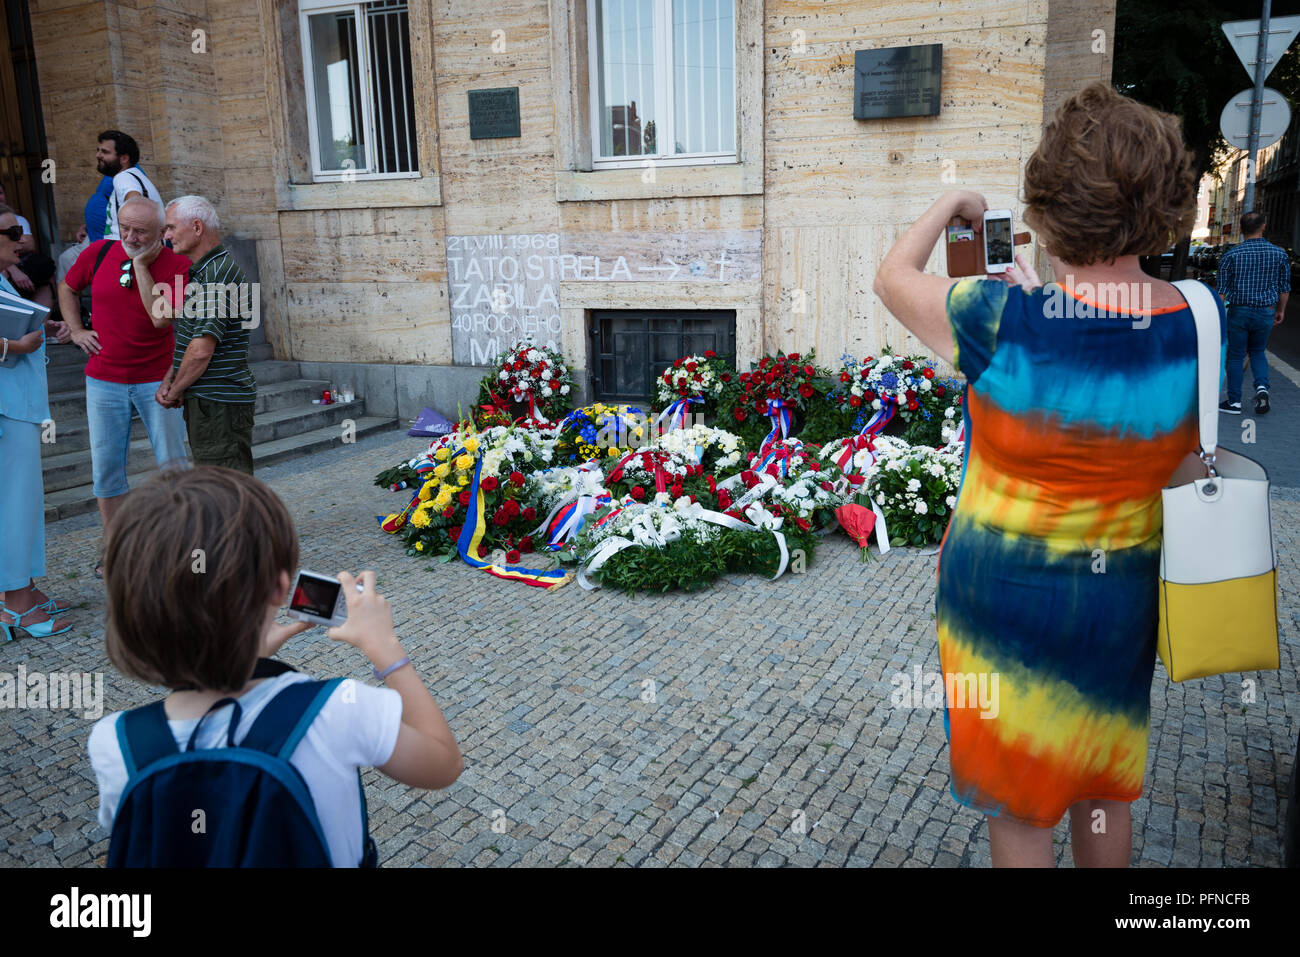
{"x": 108, "y": 413}
{"x": 1248, "y": 329}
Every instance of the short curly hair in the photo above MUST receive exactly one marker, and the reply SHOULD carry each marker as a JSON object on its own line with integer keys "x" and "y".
{"x": 1110, "y": 177}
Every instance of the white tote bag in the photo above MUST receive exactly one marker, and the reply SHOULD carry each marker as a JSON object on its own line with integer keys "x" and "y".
{"x": 1218, "y": 569}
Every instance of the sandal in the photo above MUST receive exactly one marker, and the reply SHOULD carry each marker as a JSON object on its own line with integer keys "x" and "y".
{"x": 42, "y": 629}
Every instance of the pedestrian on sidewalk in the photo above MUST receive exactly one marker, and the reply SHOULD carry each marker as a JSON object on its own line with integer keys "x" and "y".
{"x": 210, "y": 378}
{"x": 1255, "y": 279}
{"x": 24, "y": 406}
{"x": 130, "y": 351}
{"x": 1076, "y": 424}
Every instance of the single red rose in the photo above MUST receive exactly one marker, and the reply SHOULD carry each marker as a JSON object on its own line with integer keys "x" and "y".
{"x": 745, "y": 376}
{"x": 691, "y": 366}
{"x": 740, "y": 415}
{"x": 681, "y": 389}
{"x": 637, "y": 492}
{"x": 809, "y": 370}
{"x": 845, "y": 377}
{"x": 677, "y": 363}
{"x": 511, "y": 507}
{"x": 769, "y": 378}
{"x": 815, "y": 466}
{"x": 449, "y": 511}
{"x": 749, "y": 478}
{"x": 668, "y": 378}
{"x": 760, "y": 406}
{"x": 726, "y": 377}
{"x": 616, "y": 475}
{"x": 939, "y": 390}
{"x": 806, "y": 391}
{"x": 803, "y": 524}
{"x": 913, "y": 405}
{"x": 516, "y": 478}
{"x": 713, "y": 484}
{"x": 793, "y": 357}
{"x": 489, "y": 484}
{"x": 697, "y": 378}
{"x": 909, "y": 395}
{"x": 840, "y": 399}
{"x": 854, "y": 401}
{"x": 512, "y": 557}
{"x": 764, "y": 362}
{"x": 482, "y": 551}
{"x": 501, "y": 517}
{"x": 454, "y": 532}
{"x": 526, "y": 544}
{"x": 710, "y": 354}
{"x": 463, "y": 498}
{"x": 869, "y": 395}
{"x": 928, "y": 372}
{"x": 520, "y": 365}
{"x": 827, "y": 486}
{"x": 724, "y": 499}
{"x": 530, "y": 513}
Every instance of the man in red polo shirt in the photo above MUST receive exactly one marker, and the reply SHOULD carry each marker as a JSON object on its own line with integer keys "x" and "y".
{"x": 130, "y": 351}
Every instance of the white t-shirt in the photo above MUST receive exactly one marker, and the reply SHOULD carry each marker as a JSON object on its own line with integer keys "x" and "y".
{"x": 347, "y": 734}
{"x": 130, "y": 180}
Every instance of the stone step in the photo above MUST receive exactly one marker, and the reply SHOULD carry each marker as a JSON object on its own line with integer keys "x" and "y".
{"x": 61, "y": 354}
{"x": 80, "y": 499}
{"x": 70, "y": 378}
{"x": 71, "y": 467}
{"x": 70, "y": 404}
{"x": 260, "y": 351}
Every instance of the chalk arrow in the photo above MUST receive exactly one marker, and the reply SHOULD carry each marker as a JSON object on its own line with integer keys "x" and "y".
{"x": 675, "y": 267}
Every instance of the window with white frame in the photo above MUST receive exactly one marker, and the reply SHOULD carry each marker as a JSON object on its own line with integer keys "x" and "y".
{"x": 663, "y": 81}
{"x": 360, "y": 105}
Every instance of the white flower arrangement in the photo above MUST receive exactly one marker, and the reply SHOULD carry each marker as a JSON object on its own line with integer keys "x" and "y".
{"x": 686, "y": 442}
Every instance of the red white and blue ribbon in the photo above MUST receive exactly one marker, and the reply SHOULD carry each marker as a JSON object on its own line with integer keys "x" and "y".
{"x": 781, "y": 417}
{"x": 876, "y": 424}
{"x": 676, "y": 413}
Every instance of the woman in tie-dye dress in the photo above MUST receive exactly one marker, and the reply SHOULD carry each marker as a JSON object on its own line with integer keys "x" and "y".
{"x": 1078, "y": 412}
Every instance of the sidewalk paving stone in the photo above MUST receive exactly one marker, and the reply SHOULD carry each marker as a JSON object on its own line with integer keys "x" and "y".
{"x": 772, "y": 706}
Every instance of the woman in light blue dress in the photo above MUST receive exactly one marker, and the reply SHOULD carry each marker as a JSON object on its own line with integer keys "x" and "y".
{"x": 24, "y": 405}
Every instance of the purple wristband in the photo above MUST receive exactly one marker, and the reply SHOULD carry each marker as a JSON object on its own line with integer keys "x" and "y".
{"x": 381, "y": 675}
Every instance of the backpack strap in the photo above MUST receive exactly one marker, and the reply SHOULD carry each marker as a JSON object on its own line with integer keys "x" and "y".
{"x": 144, "y": 737}
{"x": 283, "y": 722}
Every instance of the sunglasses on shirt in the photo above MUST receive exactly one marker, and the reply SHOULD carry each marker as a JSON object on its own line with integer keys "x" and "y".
{"x": 125, "y": 279}
{"x": 14, "y": 232}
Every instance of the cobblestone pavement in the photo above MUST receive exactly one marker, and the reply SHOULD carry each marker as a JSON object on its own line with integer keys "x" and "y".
{"x": 771, "y": 698}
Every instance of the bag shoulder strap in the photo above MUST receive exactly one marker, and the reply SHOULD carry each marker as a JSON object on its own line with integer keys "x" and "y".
{"x": 144, "y": 737}
{"x": 1205, "y": 311}
{"x": 103, "y": 251}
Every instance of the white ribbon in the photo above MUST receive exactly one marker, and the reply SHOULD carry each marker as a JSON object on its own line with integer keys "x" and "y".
{"x": 646, "y": 535}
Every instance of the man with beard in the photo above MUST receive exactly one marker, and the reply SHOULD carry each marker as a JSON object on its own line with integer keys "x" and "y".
{"x": 117, "y": 157}
{"x": 130, "y": 350}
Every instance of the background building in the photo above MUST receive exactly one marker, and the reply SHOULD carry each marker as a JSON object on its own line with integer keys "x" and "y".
{"x": 686, "y": 174}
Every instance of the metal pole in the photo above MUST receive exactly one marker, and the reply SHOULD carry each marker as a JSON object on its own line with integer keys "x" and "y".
{"x": 1256, "y": 104}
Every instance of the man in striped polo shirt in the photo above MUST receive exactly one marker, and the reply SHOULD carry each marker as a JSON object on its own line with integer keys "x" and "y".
{"x": 210, "y": 377}
{"x": 1255, "y": 279}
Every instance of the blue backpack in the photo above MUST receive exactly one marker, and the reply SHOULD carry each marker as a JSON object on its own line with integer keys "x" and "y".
{"x": 239, "y": 806}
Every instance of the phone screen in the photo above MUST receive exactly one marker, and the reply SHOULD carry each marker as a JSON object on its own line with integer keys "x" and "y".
{"x": 997, "y": 242}
{"x": 315, "y": 596}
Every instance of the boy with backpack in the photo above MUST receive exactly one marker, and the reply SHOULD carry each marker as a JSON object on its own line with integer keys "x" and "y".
{"x": 247, "y": 762}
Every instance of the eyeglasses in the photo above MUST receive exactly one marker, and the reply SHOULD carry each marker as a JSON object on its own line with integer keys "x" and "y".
{"x": 14, "y": 232}
{"x": 125, "y": 280}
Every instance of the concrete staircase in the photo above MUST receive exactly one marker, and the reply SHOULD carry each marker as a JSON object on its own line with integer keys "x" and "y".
{"x": 286, "y": 425}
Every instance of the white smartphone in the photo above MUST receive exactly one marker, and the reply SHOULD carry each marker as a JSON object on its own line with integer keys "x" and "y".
{"x": 318, "y": 599}
{"x": 999, "y": 248}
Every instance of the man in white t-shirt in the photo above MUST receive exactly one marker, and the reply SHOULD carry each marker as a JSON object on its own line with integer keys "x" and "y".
{"x": 117, "y": 157}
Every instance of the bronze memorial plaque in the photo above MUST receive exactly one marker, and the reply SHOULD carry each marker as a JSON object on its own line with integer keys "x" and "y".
{"x": 494, "y": 113}
{"x": 897, "y": 81}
